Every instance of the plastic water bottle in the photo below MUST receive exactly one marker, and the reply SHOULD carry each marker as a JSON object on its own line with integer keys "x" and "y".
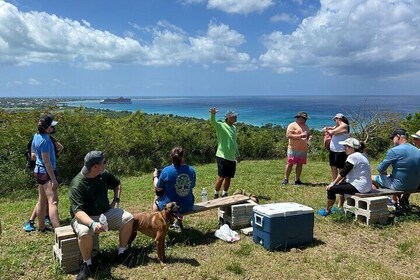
{"x": 204, "y": 195}
{"x": 103, "y": 222}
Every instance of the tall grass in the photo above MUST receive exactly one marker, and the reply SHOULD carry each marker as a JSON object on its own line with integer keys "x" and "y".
{"x": 342, "y": 248}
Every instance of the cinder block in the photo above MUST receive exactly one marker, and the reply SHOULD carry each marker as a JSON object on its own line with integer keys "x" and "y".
{"x": 350, "y": 200}
{"x": 370, "y": 221}
{"x": 69, "y": 263}
{"x": 61, "y": 233}
{"x": 367, "y": 210}
{"x": 372, "y": 214}
{"x": 68, "y": 245}
{"x": 66, "y": 248}
{"x": 372, "y": 203}
{"x": 237, "y": 215}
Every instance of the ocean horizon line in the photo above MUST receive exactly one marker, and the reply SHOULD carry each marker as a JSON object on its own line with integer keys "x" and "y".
{"x": 208, "y": 96}
{"x": 261, "y": 110}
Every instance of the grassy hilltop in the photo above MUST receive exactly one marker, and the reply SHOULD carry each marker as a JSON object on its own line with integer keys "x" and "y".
{"x": 342, "y": 248}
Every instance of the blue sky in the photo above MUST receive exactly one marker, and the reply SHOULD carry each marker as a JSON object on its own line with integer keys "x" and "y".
{"x": 209, "y": 47}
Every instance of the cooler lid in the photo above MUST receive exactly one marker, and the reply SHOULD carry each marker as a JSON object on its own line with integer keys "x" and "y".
{"x": 282, "y": 209}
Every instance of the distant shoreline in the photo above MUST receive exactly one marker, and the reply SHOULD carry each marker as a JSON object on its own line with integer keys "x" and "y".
{"x": 254, "y": 110}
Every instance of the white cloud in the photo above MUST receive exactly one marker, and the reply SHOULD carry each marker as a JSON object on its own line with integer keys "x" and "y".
{"x": 234, "y": 6}
{"x": 293, "y": 19}
{"x": 37, "y": 37}
{"x": 186, "y": 2}
{"x": 58, "y": 82}
{"x": 240, "y": 7}
{"x": 33, "y": 82}
{"x": 14, "y": 84}
{"x": 354, "y": 37}
{"x": 218, "y": 46}
{"x": 172, "y": 46}
{"x": 34, "y": 37}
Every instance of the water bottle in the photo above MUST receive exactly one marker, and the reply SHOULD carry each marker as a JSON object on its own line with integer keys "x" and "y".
{"x": 103, "y": 222}
{"x": 204, "y": 195}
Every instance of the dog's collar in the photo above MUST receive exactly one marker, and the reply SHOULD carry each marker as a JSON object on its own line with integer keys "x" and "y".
{"x": 166, "y": 219}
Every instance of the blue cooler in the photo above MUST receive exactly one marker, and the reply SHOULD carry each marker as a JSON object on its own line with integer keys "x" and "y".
{"x": 282, "y": 225}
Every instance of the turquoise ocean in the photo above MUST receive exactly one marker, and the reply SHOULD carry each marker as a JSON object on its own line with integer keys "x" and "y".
{"x": 260, "y": 110}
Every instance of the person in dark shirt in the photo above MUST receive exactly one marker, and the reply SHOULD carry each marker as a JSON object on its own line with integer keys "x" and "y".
{"x": 88, "y": 194}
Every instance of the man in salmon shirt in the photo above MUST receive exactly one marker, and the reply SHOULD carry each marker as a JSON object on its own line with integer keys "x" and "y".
{"x": 298, "y": 134}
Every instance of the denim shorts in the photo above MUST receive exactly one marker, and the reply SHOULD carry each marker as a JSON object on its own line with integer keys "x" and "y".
{"x": 386, "y": 181}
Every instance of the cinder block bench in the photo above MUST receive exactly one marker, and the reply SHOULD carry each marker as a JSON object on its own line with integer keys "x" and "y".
{"x": 367, "y": 210}
{"x": 66, "y": 248}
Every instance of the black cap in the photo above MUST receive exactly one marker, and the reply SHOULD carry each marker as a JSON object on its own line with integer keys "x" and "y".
{"x": 399, "y": 132}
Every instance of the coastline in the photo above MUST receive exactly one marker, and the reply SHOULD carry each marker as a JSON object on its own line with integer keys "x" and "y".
{"x": 253, "y": 110}
{"x": 261, "y": 110}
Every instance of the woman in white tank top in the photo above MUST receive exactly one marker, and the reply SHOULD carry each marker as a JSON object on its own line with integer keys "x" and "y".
{"x": 338, "y": 133}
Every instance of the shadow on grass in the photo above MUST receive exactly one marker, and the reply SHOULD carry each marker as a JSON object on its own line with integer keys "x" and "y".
{"x": 315, "y": 184}
{"x": 409, "y": 213}
{"x": 191, "y": 237}
{"x": 65, "y": 222}
{"x": 139, "y": 255}
{"x": 315, "y": 242}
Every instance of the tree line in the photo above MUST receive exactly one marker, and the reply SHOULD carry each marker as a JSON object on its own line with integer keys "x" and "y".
{"x": 135, "y": 143}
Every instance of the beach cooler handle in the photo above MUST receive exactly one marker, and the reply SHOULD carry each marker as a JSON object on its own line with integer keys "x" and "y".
{"x": 259, "y": 220}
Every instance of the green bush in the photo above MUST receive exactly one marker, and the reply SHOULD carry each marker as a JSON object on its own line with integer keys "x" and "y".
{"x": 135, "y": 143}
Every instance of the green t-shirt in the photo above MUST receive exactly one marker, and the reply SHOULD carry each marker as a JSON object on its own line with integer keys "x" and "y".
{"x": 227, "y": 146}
{"x": 91, "y": 194}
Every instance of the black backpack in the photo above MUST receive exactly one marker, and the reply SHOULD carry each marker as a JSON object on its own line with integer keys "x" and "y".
{"x": 30, "y": 164}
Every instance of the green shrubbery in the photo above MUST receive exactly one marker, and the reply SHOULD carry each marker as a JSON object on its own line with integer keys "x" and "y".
{"x": 136, "y": 142}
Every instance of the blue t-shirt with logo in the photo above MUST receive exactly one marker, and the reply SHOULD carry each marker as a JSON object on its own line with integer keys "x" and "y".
{"x": 177, "y": 183}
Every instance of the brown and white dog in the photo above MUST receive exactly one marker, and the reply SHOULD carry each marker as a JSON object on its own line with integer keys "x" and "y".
{"x": 155, "y": 225}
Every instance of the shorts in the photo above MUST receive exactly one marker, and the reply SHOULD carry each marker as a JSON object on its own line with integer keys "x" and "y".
{"x": 161, "y": 202}
{"x": 183, "y": 208}
{"x": 116, "y": 218}
{"x": 338, "y": 159}
{"x": 296, "y": 157}
{"x": 225, "y": 168}
{"x": 386, "y": 181}
{"x": 43, "y": 178}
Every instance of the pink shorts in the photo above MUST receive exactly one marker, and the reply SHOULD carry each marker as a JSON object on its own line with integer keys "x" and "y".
{"x": 296, "y": 157}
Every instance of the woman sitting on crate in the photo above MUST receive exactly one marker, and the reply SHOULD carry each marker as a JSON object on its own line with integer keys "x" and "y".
{"x": 355, "y": 177}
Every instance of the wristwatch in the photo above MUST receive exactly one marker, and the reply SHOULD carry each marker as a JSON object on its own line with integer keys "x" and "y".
{"x": 117, "y": 199}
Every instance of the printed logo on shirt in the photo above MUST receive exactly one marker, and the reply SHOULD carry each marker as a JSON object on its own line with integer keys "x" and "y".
{"x": 182, "y": 185}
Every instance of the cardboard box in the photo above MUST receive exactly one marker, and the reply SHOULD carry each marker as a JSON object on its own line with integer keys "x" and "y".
{"x": 282, "y": 225}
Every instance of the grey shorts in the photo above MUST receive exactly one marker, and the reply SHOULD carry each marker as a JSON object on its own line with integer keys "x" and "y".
{"x": 116, "y": 218}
